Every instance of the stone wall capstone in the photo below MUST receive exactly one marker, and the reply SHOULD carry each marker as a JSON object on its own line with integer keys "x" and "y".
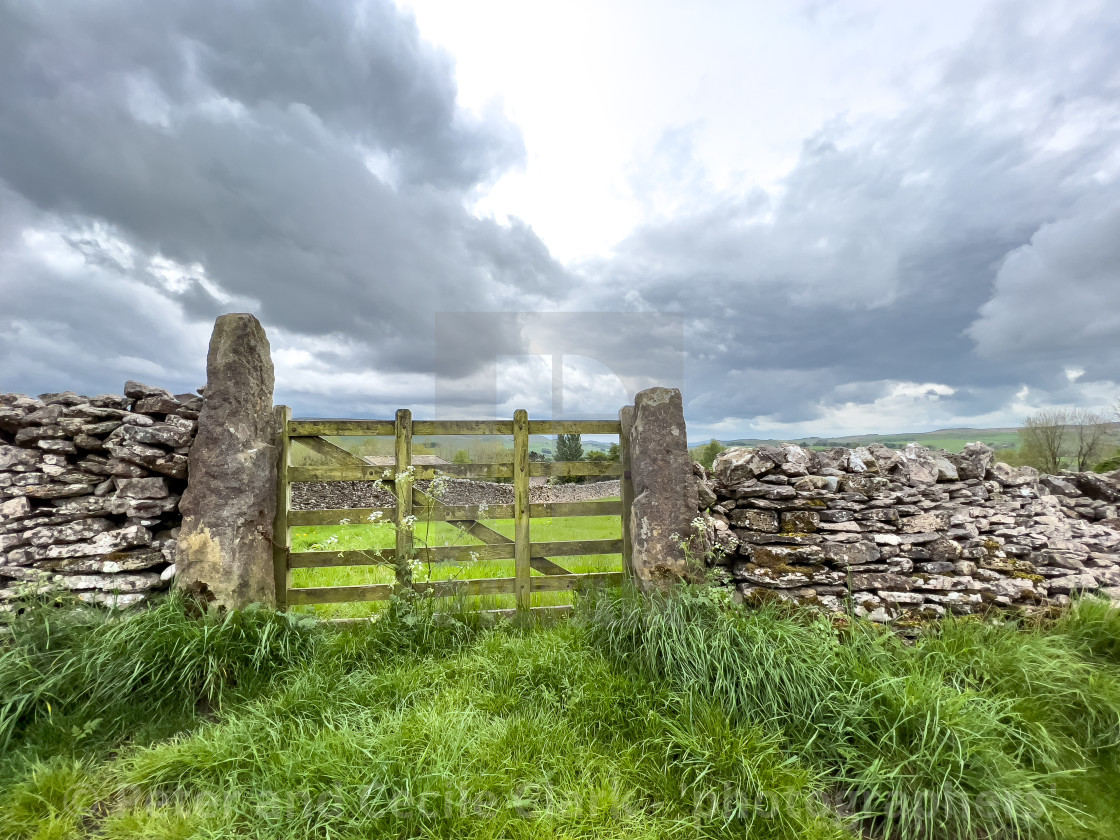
{"x": 89, "y": 492}
{"x": 899, "y": 535}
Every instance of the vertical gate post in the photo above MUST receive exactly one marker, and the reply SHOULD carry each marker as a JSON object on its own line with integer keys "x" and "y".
{"x": 224, "y": 553}
{"x": 402, "y": 484}
{"x": 664, "y": 503}
{"x": 626, "y": 487}
{"x": 521, "y": 538}
{"x": 281, "y": 533}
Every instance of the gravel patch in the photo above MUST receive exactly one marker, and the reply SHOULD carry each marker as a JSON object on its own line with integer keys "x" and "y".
{"x": 318, "y": 495}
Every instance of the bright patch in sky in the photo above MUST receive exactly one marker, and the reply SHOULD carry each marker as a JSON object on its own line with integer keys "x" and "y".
{"x": 627, "y": 108}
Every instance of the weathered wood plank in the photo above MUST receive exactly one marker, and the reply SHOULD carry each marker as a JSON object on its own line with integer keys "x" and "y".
{"x": 486, "y": 471}
{"x": 281, "y": 533}
{"x": 626, "y": 486}
{"x": 563, "y": 583}
{"x": 331, "y": 452}
{"x": 452, "y": 588}
{"x": 340, "y": 594}
{"x": 540, "y": 613}
{"x": 435, "y": 510}
{"x": 568, "y": 548}
{"x": 403, "y": 510}
{"x": 354, "y": 516}
{"x": 388, "y": 556}
{"x": 522, "y": 552}
{"x": 505, "y": 586}
{"x": 467, "y": 588}
{"x": 541, "y": 510}
{"x": 341, "y": 473}
{"x": 537, "y": 510}
{"x": 543, "y": 613}
{"x": 382, "y": 591}
{"x": 452, "y": 513}
{"x": 343, "y": 428}
{"x": 569, "y": 427}
{"x": 462, "y": 427}
{"x": 340, "y": 428}
{"x": 547, "y": 567}
{"x": 481, "y": 532}
{"x": 561, "y": 468}
{"x": 492, "y": 537}
{"x": 357, "y": 472}
{"x": 335, "y": 559}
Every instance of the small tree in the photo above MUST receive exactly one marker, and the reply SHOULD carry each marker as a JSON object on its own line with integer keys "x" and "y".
{"x": 1089, "y": 434}
{"x": 569, "y": 448}
{"x": 1057, "y": 438}
{"x": 462, "y": 456}
{"x": 1113, "y": 461}
{"x": 707, "y": 453}
{"x": 1043, "y": 439}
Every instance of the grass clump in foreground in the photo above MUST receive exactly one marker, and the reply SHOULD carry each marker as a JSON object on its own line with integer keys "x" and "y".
{"x": 644, "y": 717}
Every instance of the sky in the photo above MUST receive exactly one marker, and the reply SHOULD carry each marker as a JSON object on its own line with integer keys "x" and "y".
{"x": 815, "y": 218}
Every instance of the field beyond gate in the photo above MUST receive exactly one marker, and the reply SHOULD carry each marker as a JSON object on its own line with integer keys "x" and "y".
{"x": 415, "y": 506}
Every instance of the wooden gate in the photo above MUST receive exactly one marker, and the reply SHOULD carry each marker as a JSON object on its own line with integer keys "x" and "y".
{"x": 341, "y": 465}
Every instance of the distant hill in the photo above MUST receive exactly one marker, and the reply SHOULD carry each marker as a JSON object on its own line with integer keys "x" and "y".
{"x": 953, "y": 440}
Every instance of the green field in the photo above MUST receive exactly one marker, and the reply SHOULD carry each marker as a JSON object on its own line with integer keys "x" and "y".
{"x": 433, "y": 534}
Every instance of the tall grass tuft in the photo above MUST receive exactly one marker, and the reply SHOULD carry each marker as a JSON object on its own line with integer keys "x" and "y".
{"x": 965, "y": 733}
{"x": 648, "y": 716}
{"x": 91, "y": 666}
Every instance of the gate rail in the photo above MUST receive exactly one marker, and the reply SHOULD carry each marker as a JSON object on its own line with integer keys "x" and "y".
{"x": 527, "y": 555}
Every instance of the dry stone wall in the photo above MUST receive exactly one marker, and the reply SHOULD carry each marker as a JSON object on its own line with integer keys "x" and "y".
{"x": 901, "y": 535}
{"x": 89, "y": 492}
{"x": 318, "y": 495}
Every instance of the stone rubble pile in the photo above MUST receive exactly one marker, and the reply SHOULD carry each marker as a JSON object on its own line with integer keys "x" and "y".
{"x": 321, "y": 495}
{"x": 906, "y": 535}
{"x": 89, "y": 492}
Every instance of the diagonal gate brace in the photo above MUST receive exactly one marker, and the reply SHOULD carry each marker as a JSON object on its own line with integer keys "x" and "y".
{"x": 340, "y": 455}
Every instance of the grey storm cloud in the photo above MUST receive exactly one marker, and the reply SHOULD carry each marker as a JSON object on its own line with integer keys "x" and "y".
{"x": 164, "y": 162}
{"x": 1057, "y": 298}
{"x": 233, "y": 138}
{"x": 971, "y": 240}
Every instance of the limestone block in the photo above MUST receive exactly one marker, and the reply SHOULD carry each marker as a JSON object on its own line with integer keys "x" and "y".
{"x": 664, "y": 501}
{"x": 755, "y": 520}
{"x": 225, "y": 546}
{"x": 81, "y": 529}
{"x": 1072, "y": 583}
{"x": 142, "y": 488}
{"x": 851, "y": 554}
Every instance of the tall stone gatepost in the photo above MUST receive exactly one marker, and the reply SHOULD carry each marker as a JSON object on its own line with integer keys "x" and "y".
{"x": 225, "y": 548}
{"x": 664, "y": 503}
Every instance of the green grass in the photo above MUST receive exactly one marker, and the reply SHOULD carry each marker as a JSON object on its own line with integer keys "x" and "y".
{"x": 643, "y": 717}
{"x": 434, "y": 534}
